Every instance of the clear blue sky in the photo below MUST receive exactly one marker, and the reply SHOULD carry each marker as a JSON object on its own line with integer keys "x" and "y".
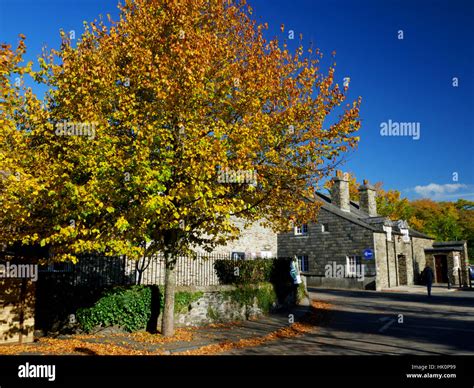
{"x": 407, "y": 80}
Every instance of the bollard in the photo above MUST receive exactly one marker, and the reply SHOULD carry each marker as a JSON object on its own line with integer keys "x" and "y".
{"x": 459, "y": 275}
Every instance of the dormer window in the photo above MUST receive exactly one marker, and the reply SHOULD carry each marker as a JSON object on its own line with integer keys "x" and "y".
{"x": 301, "y": 230}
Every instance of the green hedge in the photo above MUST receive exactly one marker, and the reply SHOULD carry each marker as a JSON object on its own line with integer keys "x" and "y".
{"x": 253, "y": 271}
{"x": 129, "y": 308}
{"x": 244, "y": 272}
{"x": 135, "y": 307}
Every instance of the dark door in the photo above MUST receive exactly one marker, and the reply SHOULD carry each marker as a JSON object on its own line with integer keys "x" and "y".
{"x": 402, "y": 270}
{"x": 441, "y": 264}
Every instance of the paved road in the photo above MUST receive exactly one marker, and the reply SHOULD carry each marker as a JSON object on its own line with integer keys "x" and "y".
{"x": 396, "y": 322}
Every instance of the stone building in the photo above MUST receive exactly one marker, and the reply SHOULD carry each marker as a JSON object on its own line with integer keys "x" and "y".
{"x": 17, "y": 293}
{"x": 351, "y": 246}
{"x": 254, "y": 241}
{"x": 449, "y": 261}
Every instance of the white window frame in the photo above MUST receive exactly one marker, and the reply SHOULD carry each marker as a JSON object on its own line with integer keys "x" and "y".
{"x": 236, "y": 255}
{"x": 301, "y": 230}
{"x": 324, "y": 228}
{"x": 351, "y": 265}
{"x": 265, "y": 254}
{"x": 302, "y": 259}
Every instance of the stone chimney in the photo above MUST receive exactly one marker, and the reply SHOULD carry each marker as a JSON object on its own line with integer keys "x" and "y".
{"x": 367, "y": 201}
{"x": 340, "y": 191}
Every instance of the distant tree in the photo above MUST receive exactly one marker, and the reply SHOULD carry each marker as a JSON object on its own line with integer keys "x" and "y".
{"x": 466, "y": 222}
{"x": 443, "y": 221}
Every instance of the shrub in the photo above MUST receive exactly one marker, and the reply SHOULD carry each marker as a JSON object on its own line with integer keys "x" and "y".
{"x": 264, "y": 294}
{"x": 183, "y": 299}
{"x": 266, "y": 297}
{"x": 129, "y": 308}
{"x": 276, "y": 271}
{"x": 253, "y": 271}
{"x": 301, "y": 292}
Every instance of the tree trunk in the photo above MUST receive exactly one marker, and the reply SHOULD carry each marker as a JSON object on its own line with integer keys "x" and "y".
{"x": 167, "y": 325}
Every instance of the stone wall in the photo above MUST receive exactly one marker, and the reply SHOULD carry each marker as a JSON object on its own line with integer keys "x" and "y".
{"x": 392, "y": 264}
{"x": 404, "y": 267}
{"x": 342, "y": 238}
{"x": 419, "y": 258}
{"x": 391, "y": 270}
{"x": 345, "y": 283}
{"x": 253, "y": 240}
{"x": 399, "y": 263}
{"x": 464, "y": 258}
{"x": 380, "y": 253}
{"x": 17, "y": 308}
{"x": 216, "y": 304}
{"x": 395, "y": 262}
{"x": 453, "y": 270}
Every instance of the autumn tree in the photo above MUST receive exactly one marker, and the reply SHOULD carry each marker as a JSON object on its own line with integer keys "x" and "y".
{"x": 465, "y": 210}
{"x": 153, "y": 125}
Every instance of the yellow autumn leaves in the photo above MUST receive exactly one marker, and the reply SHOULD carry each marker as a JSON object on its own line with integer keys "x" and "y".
{"x": 179, "y": 92}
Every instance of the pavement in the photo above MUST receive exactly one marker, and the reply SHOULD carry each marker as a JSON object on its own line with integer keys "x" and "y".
{"x": 113, "y": 342}
{"x": 436, "y": 289}
{"x": 398, "y": 321}
{"x": 403, "y": 321}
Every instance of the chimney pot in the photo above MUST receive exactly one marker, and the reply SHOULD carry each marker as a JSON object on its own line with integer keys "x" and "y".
{"x": 367, "y": 202}
{"x": 340, "y": 191}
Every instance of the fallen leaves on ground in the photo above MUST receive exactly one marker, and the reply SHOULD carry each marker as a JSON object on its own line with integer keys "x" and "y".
{"x": 123, "y": 344}
{"x": 185, "y": 335}
{"x": 56, "y": 346}
{"x": 317, "y": 316}
{"x": 97, "y": 344}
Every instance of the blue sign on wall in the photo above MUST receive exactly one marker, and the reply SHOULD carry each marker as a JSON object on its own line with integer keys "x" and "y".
{"x": 368, "y": 254}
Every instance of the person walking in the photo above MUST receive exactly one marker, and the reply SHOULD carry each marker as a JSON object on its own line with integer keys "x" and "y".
{"x": 428, "y": 277}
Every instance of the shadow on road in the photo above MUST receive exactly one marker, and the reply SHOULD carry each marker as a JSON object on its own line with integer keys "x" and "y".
{"x": 426, "y": 322}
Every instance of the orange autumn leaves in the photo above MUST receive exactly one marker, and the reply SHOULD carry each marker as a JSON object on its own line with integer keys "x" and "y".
{"x": 143, "y": 343}
{"x": 177, "y": 91}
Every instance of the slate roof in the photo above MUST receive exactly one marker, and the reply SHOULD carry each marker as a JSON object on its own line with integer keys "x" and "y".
{"x": 361, "y": 218}
{"x": 444, "y": 249}
{"x": 447, "y": 246}
{"x": 449, "y": 243}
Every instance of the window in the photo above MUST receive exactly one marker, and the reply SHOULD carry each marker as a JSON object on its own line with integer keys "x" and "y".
{"x": 324, "y": 228}
{"x": 303, "y": 263}
{"x": 266, "y": 254}
{"x": 352, "y": 262}
{"x": 238, "y": 255}
{"x": 301, "y": 230}
{"x": 388, "y": 230}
